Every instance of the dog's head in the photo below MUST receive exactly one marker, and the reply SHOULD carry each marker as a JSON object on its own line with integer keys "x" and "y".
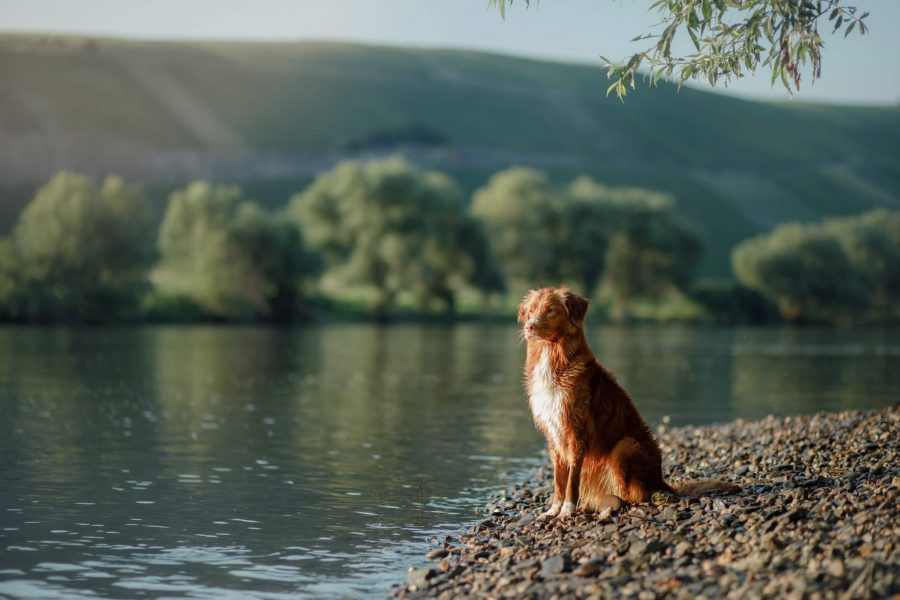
{"x": 551, "y": 313}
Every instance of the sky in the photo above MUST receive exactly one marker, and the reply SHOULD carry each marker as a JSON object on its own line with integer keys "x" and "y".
{"x": 856, "y": 70}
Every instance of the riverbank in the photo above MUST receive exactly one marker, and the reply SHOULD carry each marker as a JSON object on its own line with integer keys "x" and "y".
{"x": 816, "y": 518}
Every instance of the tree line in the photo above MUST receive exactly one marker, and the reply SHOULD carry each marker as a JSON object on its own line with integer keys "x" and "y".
{"x": 396, "y": 235}
{"x": 88, "y": 252}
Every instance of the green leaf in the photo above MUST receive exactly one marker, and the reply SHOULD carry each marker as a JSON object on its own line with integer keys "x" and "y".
{"x": 665, "y": 40}
{"x": 634, "y": 62}
{"x": 501, "y": 5}
{"x": 611, "y": 87}
{"x": 694, "y": 39}
{"x": 849, "y": 29}
{"x": 693, "y": 20}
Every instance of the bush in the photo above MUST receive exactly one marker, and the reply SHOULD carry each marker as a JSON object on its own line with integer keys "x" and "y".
{"x": 79, "y": 252}
{"x": 394, "y": 228}
{"x": 839, "y": 270}
{"x": 628, "y": 238}
{"x": 228, "y": 257}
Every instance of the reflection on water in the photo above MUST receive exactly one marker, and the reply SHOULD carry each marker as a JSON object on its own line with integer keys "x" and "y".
{"x": 215, "y": 461}
{"x": 705, "y": 375}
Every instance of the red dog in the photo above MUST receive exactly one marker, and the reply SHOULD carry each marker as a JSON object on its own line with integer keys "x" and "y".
{"x": 598, "y": 442}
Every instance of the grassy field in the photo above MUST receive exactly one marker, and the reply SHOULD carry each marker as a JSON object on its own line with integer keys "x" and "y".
{"x": 271, "y": 115}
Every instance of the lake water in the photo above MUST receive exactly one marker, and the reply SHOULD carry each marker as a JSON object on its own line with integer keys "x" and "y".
{"x": 210, "y": 462}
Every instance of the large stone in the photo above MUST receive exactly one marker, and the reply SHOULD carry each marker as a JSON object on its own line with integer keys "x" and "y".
{"x": 418, "y": 578}
{"x": 437, "y": 554}
{"x": 525, "y": 520}
{"x": 610, "y": 503}
{"x": 637, "y": 548}
{"x": 555, "y": 565}
{"x": 590, "y": 568}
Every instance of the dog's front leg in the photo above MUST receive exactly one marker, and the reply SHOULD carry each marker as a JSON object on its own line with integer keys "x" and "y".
{"x": 573, "y": 484}
{"x": 560, "y": 479}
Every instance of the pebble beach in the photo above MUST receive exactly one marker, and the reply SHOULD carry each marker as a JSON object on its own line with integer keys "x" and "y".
{"x": 816, "y": 517}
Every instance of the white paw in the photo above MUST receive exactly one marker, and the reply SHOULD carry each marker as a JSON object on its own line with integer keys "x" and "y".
{"x": 567, "y": 509}
{"x": 552, "y": 511}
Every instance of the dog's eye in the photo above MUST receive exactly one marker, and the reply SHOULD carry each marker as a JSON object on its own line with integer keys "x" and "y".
{"x": 551, "y": 310}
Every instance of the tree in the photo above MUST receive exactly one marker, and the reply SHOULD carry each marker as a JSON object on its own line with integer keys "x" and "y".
{"x": 872, "y": 243}
{"x": 80, "y": 252}
{"x": 629, "y": 237}
{"x": 454, "y": 255}
{"x": 598, "y": 215}
{"x": 485, "y": 274}
{"x": 522, "y": 216}
{"x": 586, "y": 222}
{"x": 10, "y": 286}
{"x": 837, "y": 270}
{"x": 229, "y": 257}
{"x": 652, "y": 251}
{"x": 805, "y": 271}
{"x": 732, "y": 37}
{"x": 391, "y": 226}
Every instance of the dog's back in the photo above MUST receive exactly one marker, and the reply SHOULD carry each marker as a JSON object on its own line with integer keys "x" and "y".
{"x": 623, "y": 459}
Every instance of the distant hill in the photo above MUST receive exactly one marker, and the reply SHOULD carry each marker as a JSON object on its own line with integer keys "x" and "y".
{"x": 273, "y": 115}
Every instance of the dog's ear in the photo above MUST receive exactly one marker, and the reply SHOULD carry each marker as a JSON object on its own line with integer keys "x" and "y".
{"x": 523, "y": 308}
{"x": 576, "y": 306}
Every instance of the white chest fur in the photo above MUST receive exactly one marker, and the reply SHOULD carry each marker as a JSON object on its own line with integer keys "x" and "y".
{"x": 546, "y": 400}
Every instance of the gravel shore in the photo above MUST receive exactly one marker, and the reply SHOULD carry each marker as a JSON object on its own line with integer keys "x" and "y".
{"x": 817, "y": 518}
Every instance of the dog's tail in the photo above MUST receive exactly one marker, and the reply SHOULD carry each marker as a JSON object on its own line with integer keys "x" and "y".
{"x": 694, "y": 488}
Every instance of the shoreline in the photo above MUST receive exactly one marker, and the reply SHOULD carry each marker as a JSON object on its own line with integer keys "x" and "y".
{"x": 816, "y": 517}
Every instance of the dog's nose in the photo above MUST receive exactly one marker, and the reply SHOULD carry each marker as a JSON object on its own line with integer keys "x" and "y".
{"x": 529, "y": 327}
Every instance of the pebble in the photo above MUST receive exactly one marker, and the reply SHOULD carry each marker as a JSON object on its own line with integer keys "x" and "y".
{"x": 610, "y": 503}
{"x": 815, "y": 518}
{"x": 437, "y": 554}
{"x": 418, "y": 578}
{"x": 588, "y": 568}
{"x": 525, "y": 520}
{"x": 555, "y": 565}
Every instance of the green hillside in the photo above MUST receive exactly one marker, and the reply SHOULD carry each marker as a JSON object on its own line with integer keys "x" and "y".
{"x": 273, "y": 115}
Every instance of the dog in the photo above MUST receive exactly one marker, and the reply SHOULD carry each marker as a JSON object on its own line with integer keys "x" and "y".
{"x": 599, "y": 444}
